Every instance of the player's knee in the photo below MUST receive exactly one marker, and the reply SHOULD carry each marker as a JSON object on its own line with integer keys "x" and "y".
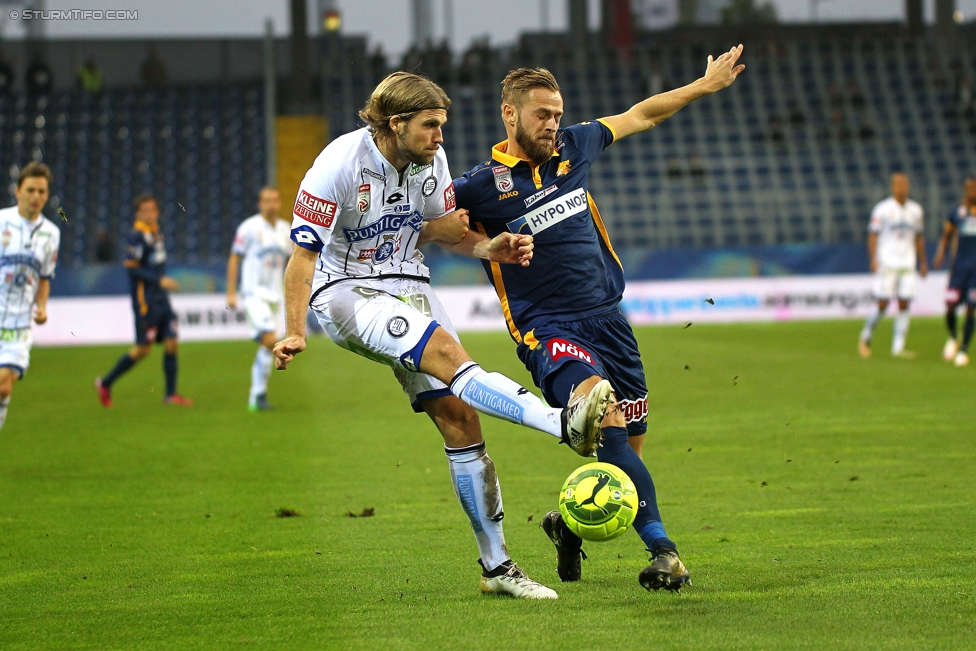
{"x": 268, "y": 340}
{"x": 140, "y": 351}
{"x": 443, "y": 355}
{"x": 902, "y": 305}
{"x": 615, "y": 418}
{"x": 170, "y": 346}
{"x": 6, "y": 385}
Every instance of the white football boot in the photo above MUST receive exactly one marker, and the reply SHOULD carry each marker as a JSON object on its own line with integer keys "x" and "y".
{"x": 949, "y": 350}
{"x": 581, "y": 420}
{"x": 961, "y": 358}
{"x": 517, "y": 584}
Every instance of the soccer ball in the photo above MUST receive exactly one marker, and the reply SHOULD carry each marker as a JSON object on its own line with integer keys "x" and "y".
{"x": 598, "y": 502}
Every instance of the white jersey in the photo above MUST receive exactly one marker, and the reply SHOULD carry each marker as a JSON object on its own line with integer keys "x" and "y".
{"x": 264, "y": 250}
{"x": 362, "y": 216}
{"x": 896, "y": 226}
{"x": 28, "y": 254}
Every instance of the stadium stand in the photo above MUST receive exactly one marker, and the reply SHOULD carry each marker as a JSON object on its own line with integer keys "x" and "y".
{"x": 199, "y": 149}
{"x": 796, "y": 152}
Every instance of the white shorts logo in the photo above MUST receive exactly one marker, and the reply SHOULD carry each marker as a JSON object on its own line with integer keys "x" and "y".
{"x": 397, "y": 327}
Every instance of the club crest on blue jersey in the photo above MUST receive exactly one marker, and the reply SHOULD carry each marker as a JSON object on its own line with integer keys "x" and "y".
{"x": 503, "y": 178}
{"x": 389, "y": 223}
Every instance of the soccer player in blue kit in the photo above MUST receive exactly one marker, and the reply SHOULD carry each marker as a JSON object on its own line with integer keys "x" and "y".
{"x": 563, "y": 310}
{"x": 960, "y": 223}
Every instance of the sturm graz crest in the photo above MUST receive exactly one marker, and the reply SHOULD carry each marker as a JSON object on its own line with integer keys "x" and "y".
{"x": 397, "y": 326}
{"x": 430, "y": 184}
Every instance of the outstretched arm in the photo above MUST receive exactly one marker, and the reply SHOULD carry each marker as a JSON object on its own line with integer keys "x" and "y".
{"x": 298, "y": 288}
{"x": 719, "y": 74}
{"x": 506, "y": 248}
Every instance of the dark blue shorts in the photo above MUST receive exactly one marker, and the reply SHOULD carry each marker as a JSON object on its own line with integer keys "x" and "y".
{"x": 155, "y": 326}
{"x": 605, "y": 343}
{"x": 962, "y": 286}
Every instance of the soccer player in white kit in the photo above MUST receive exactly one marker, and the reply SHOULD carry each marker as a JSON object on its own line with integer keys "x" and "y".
{"x": 262, "y": 246}
{"x": 29, "y": 245}
{"x": 370, "y": 199}
{"x": 895, "y": 246}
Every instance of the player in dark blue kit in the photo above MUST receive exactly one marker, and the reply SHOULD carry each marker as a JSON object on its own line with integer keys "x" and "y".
{"x": 563, "y": 310}
{"x": 961, "y": 224}
{"x": 145, "y": 261}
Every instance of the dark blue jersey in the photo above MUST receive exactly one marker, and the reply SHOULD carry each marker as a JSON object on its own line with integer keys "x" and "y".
{"x": 574, "y": 273}
{"x": 145, "y": 260}
{"x": 965, "y": 222}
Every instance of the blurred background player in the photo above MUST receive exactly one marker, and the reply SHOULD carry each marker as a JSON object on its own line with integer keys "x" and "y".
{"x": 895, "y": 246}
{"x": 564, "y": 310}
{"x": 29, "y": 245}
{"x": 960, "y": 234}
{"x": 262, "y": 245}
{"x": 145, "y": 260}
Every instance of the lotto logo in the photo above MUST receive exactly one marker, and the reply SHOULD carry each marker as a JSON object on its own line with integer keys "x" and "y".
{"x": 559, "y": 348}
{"x": 635, "y": 411}
{"x": 315, "y": 210}
{"x": 450, "y": 199}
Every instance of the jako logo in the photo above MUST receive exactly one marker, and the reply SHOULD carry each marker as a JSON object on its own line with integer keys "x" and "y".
{"x": 559, "y": 348}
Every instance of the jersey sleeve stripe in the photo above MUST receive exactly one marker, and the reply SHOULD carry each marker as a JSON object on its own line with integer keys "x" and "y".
{"x": 607, "y": 125}
{"x": 496, "y": 275}
{"x": 602, "y": 228}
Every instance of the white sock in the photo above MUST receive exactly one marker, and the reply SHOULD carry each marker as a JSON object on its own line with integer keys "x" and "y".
{"x": 476, "y": 486}
{"x": 871, "y": 323}
{"x": 901, "y": 332}
{"x": 496, "y": 395}
{"x": 260, "y": 370}
{"x": 3, "y": 410}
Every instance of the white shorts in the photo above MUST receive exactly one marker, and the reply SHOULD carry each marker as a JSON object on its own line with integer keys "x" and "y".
{"x": 262, "y": 316}
{"x": 389, "y": 322}
{"x": 894, "y": 283}
{"x": 15, "y": 347}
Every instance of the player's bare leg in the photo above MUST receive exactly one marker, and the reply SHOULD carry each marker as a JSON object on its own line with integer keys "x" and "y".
{"x": 477, "y": 489}
{"x": 7, "y": 378}
{"x": 497, "y": 395}
{"x": 170, "y": 348}
{"x": 901, "y": 331}
{"x": 260, "y": 370}
{"x": 864, "y": 343}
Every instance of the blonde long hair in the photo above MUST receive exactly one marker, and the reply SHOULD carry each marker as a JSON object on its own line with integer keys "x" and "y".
{"x": 401, "y": 94}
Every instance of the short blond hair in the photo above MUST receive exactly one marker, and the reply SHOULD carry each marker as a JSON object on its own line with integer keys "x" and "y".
{"x": 401, "y": 94}
{"x": 518, "y": 83}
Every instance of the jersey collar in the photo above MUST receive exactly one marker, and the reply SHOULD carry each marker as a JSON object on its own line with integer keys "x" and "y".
{"x": 139, "y": 226}
{"x": 378, "y": 156}
{"x": 500, "y": 153}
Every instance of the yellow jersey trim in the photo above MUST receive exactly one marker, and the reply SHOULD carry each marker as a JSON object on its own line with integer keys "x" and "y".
{"x": 141, "y": 296}
{"x": 601, "y": 227}
{"x": 139, "y": 226}
{"x": 530, "y": 340}
{"x": 496, "y": 275}
{"x": 607, "y": 125}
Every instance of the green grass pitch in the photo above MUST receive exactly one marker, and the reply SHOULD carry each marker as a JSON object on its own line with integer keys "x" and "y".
{"x": 821, "y": 501}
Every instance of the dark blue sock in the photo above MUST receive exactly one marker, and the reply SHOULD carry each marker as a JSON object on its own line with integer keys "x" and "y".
{"x": 617, "y": 450}
{"x": 951, "y": 321}
{"x": 124, "y": 364}
{"x": 169, "y": 367}
{"x": 967, "y": 331}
